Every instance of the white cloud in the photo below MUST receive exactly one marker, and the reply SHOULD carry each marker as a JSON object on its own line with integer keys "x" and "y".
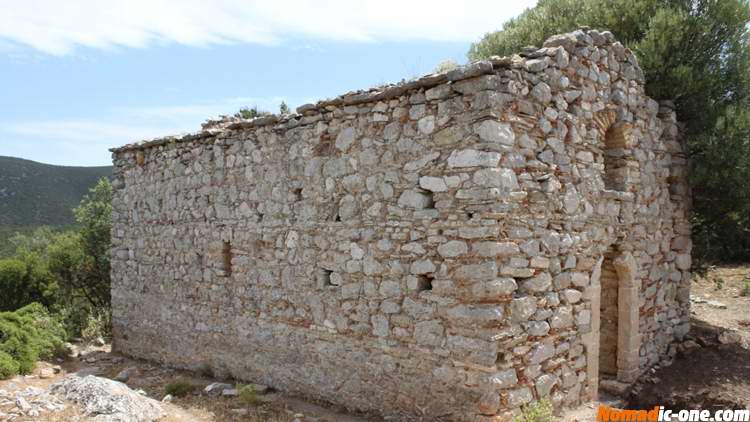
{"x": 59, "y": 27}
{"x": 85, "y": 141}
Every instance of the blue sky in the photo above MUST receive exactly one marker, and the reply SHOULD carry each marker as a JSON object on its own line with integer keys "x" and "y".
{"x": 80, "y": 77}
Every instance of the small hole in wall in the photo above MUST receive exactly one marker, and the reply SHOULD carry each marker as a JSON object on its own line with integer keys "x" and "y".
{"x": 324, "y": 148}
{"x": 500, "y": 358}
{"x": 470, "y": 215}
{"x": 424, "y": 282}
{"x": 297, "y": 194}
{"x": 325, "y": 277}
{"x": 337, "y": 218}
{"x": 226, "y": 253}
{"x": 430, "y": 203}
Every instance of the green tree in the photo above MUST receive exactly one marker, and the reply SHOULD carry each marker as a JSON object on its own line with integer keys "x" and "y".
{"x": 693, "y": 52}
{"x": 24, "y": 277}
{"x": 80, "y": 259}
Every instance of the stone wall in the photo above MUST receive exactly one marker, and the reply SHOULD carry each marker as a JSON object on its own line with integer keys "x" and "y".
{"x": 431, "y": 248}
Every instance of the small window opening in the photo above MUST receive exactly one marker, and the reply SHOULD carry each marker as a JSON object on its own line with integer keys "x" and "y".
{"x": 324, "y": 276}
{"x": 336, "y": 215}
{"x": 615, "y": 162}
{"x": 430, "y": 203}
{"x": 500, "y": 358}
{"x": 297, "y": 194}
{"x": 226, "y": 253}
{"x": 424, "y": 282}
{"x": 140, "y": 158}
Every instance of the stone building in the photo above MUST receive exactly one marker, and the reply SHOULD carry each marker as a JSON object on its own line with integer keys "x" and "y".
{"x": 452, "y": 247}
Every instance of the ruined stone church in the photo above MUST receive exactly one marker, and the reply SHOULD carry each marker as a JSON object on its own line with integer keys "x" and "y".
{"x": 452, "y": 247}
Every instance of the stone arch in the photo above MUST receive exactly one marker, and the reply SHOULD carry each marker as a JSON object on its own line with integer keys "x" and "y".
{"x": 615, "y": 136}
{"x": 614, "y": 277}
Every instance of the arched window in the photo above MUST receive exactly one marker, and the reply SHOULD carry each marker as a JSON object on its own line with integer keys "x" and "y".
{"x": 615, "y": 161}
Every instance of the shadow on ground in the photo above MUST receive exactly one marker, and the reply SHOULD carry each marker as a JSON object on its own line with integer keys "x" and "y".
{"x": 713, "y": 376}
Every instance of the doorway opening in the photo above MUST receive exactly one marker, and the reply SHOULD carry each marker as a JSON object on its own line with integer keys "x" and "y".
{"x": 608, "y": 323}
{"x": 613, "y": 344}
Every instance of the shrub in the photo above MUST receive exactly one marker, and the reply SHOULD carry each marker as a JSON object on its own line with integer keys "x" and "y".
{"x": 247, "y": 395}
{"x": 719, "y": 282}
{"x": 24, "y": 279}
{"x": 27, "y": 335}
{"x": 98, "y": 324}
{"x": 180, "y": 388}
{"x": 445, "y": 66}
{"x": 8, "y": 365}
{"x": 540, "y": 411}
{"x": 745, "y": 289}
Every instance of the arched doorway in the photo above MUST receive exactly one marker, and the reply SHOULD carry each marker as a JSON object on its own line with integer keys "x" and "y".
{"x": 614, "y": 341}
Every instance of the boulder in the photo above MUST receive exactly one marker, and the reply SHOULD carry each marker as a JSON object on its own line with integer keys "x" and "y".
{"x": 107, "y": 400}
{"x": 217, "y": 388}
{"x": 729, "y": 337}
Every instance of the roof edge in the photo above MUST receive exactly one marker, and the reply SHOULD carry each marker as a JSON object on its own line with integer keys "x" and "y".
{"x": 581, "y": 37}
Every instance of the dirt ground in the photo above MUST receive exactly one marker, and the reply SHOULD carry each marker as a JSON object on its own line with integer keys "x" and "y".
{"x": 706, "y": 373}
{"x": 152, "y": 380}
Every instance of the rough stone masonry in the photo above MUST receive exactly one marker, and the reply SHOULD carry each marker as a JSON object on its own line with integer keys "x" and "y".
{"x": 452, "y": 247}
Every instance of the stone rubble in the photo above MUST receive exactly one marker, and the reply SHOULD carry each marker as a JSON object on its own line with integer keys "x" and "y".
{"x": 107, "y": 400}
{"x": 217, "y": 388}
{"x": 451, "y": 247}
{"x": 30, "y": 402}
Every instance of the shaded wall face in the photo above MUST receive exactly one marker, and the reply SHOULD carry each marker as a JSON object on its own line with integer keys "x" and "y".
{"x": 436, "y": 249}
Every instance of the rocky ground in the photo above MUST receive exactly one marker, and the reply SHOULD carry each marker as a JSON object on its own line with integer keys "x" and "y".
{"x": 710, "y": 370}
{"x": 79, "y": 388}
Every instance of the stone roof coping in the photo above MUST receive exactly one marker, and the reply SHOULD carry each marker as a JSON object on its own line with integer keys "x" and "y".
{"x": 569, "y": 41}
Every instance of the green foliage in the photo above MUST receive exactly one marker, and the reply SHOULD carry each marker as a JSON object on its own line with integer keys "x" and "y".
{"x": 283, "y": 108}
{"x": 94, "y": 217}
{"x": 250, "y": 113}
{"x": 247, "y": 395}
{"x": 68, "y": 272}
{"x": 719, "y": 283}
{"x": 7, "y": 233}
{"x": 695, "y": 53}
{"x": 27, "y": 335}
{"x": 98, "y": 324}
{"x": 540, "y": 411}
{"x": 8, "y": 366}
{"x": 745, "y": 289}
{"x": 34, "y": 194}
{"x": 79, "y": 261}
{"x": 180, "y": 388}
{"x": 721, "y": 194}
{"x": 24, "y": 277}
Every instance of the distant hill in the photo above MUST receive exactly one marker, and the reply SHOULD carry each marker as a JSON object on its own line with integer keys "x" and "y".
{"x": 34, "y": 194}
